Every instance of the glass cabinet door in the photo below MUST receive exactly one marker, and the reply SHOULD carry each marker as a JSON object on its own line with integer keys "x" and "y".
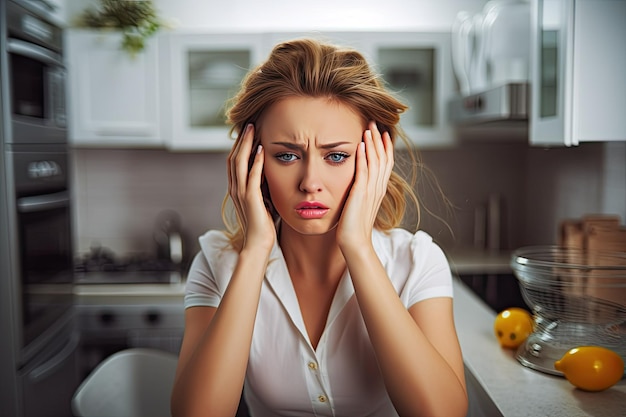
{"x": 551, "y": 72}
{"x": 411, "y": 72}
{"x": 418, "y": 67}
{"x": 214, "y": 77}
{"x": 206, "y": 72}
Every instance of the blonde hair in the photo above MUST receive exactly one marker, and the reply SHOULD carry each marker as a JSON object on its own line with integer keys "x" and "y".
{"x": 311, "y": 68}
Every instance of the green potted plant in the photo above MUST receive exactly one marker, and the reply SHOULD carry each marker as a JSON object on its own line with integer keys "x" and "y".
{"x": 136, "y": 19}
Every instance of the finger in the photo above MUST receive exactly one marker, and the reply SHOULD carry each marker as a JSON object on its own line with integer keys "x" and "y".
{"x": 389, "y": 151}
{"x": 242, "y": 160}
{"x": 378, "y": 142}
{"x": 256, "y": 171}
{"x": 372, "y": 158}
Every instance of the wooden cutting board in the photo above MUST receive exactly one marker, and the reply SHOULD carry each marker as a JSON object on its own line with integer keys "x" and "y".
{"x": 594, "y": 233}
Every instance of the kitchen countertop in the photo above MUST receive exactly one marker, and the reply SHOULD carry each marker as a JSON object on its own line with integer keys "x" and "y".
{"x": 475, "y": 261}
{"x": 513, "y": 388}
{"x": 111, "y": 294}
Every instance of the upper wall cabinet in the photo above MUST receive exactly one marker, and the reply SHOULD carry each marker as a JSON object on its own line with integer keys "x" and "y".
{"x": 174, "y": 94}
{"x": 113, "y": 96}
{"x": 577, "y": 69}
{"x": 204, "y": 71}
{"x": 416, "y": 66}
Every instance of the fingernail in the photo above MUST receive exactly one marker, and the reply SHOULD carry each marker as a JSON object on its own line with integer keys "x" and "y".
{"x": 368, "y": 133}
{"x": 258, "y": 149}
{"x": 247, "y": 128}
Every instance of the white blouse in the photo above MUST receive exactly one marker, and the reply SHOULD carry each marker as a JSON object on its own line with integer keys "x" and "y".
{"x": 285, "y": 375}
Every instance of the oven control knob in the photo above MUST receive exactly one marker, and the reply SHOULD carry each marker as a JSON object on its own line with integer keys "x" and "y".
{"x": 153, "y": 317}
{"x": 107, "y": 318}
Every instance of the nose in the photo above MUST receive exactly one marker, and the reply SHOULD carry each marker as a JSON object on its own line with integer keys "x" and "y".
{"x": 310, "y": 181}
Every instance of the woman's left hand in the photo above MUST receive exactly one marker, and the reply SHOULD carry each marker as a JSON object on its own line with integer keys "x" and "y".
{"x": 374, "y": 163}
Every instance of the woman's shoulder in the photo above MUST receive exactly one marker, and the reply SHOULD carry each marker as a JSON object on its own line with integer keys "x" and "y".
{"x": 399, "y": 237}
{"x": 402, "y": 244}
{"x": 215, "y": 240}
{"x": 216, "y": 245}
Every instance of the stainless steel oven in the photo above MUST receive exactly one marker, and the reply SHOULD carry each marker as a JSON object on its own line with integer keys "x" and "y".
{"x": 40, "y": 340}
{"x": 44, "y": 238}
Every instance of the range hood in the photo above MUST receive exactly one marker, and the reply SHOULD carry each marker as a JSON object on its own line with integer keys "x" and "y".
{"x": 499, "y": 113}
{"x": 500, "y": 106}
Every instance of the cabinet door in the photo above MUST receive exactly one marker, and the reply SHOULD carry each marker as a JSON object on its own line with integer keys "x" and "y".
{"x": 205, "y": 71}
{"x": 113, "y": 96}
{"x": 578, "y": 90}
{"x": 418, "y": 67}
{"x": 599, "y": 84}
{"x": 552, "y": 40}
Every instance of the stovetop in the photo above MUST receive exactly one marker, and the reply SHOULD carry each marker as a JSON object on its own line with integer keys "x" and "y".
{"x": 103, "y": 266}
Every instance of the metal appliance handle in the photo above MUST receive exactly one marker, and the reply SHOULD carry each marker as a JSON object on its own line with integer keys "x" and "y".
{"x": 35, "y": 52}
{"x": 52, "y": 365}
{"x": 43, "y": 202}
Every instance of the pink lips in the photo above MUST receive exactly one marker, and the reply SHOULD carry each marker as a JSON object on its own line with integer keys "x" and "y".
{"x": 311, "y": 210}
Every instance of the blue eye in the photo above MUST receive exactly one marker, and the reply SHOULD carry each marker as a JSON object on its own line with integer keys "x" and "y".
{"x": 337, "y": 157}
{"x": 286, "y": 157}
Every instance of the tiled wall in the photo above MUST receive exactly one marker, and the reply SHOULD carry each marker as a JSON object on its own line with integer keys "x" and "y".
{"x": 119, "y": 193}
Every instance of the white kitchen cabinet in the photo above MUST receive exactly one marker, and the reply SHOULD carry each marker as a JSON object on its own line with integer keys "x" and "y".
{"x": 577, "y": 71}
{"x": 203, "y": 72}
{"x": 415, "y": 65}
{"x": 113, "y": 96}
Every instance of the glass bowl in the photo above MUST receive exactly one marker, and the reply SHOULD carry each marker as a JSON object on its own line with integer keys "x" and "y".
{"x": 577, "y": 298}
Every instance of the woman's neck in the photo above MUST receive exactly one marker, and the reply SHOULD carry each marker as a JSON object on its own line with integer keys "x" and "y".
{"x": 312, "y": 257}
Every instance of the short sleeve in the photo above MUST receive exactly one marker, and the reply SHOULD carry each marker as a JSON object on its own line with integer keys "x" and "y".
{"x": 416, "y": 265}
{"x": 210, "y": 271}
{"x": 201, "y": 288}
{"x": 430, "y": 276}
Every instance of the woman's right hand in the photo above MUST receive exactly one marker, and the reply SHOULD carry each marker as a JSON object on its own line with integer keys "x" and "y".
{"x": 244, "y": 187}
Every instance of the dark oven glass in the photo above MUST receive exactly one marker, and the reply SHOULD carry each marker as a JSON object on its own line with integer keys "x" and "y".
{"x": 37, "y": 87}
{"x": 36, "y": 76}
{"x": 46, "y": 261}
{"x": 28, "y": 85}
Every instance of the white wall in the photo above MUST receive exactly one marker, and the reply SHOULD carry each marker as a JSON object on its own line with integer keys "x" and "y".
{"x": 287, "y": 15}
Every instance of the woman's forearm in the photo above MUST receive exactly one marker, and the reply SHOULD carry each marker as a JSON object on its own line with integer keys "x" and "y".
{"x": 211, "y": 381}
{"x": 418, "y": 378}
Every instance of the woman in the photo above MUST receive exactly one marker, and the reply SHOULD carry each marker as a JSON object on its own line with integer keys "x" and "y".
{"x": 314, "y": 299}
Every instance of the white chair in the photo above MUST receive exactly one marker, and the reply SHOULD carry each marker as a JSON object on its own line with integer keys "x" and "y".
{"x": 134, "y": 382}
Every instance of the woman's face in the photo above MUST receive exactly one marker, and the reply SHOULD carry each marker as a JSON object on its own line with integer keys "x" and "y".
{"x": 310, "y": 152}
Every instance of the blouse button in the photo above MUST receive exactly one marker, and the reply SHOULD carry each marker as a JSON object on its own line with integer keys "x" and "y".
{"x": 321, "y": 398}
{"x": 312, "y": 366}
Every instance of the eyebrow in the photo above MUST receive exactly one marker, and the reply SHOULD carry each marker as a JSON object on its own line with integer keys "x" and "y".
{"x": 298, "y": 147}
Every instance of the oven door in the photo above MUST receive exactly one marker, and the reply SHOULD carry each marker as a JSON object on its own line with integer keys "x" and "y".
{"x": 36, "y": 78}
{"x": 37, "y": 81}
{"x": 45, "y": 242}
{"x": 46, "y": 262}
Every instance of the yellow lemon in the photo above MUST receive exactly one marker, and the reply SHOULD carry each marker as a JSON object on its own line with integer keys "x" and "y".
{"x": 512, "y": 326}
{"x": 591, "y": 368}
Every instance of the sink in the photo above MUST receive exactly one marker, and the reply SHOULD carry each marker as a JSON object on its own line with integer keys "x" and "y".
{"x": 480, "y": 404}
